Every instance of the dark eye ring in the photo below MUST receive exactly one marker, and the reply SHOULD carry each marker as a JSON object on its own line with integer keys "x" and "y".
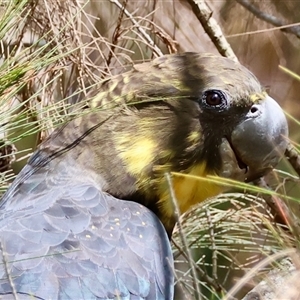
{"x": 214, "y": 98}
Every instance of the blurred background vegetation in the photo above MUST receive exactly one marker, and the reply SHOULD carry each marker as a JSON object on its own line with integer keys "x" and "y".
{"x": 53, "y": 51}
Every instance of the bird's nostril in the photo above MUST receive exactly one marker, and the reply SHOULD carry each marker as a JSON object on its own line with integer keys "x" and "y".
{"x": 255, "y": 111}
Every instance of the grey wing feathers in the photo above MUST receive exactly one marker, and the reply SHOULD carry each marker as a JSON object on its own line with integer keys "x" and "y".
{"x": 70, "y": 240}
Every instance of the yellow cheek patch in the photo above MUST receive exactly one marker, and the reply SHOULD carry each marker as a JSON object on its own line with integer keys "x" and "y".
{"x": 258, "y": 96}
{"x": 136, "y": 152}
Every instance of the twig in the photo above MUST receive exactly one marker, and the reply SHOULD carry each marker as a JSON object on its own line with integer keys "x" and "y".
{"x": 197, "y": 292}
{"x": 178, "y": 281}
{"x": 280, "y": 283}
{"x": 254, "y": 271}
{"x": 293, "y": 157}
{"x": 268, "y": 18}
{"x": 211, "y": 27}
{"x": 213, "y": 245}
{"x": 262, "y": 30}
{"x": 6, "y": 268}
{"x": 280, "y": 210}
{"x": 167, "y": 40}
{"x": 144, "y": 34}
{"x": 209, "y": 280}
{"x": 115, "y": 38}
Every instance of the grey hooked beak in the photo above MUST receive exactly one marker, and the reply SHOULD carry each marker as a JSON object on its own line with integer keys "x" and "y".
{"x": 258, "y": 143}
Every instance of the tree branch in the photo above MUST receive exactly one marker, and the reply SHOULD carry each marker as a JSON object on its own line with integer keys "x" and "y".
{"x": 269, "y": 18}
{"x": 211, "y": 27}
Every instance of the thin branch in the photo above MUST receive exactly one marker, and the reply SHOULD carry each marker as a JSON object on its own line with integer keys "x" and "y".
{"x": 293, "y": 157}
{"x": 268, "y": 18}
{"x": 214, "y": 250}
{"x": 249, "y": 275}
{"x": 262, "y": 30}
{"x": 209, "y": 280}
{"x": 280, "y": 210}
{"x": 197, "y": 292}
{"x": 144, "y": 34}
{"x": 6, "y": 268}
{"x": 211, "y": 27}
{"x": 115, "y": 39}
